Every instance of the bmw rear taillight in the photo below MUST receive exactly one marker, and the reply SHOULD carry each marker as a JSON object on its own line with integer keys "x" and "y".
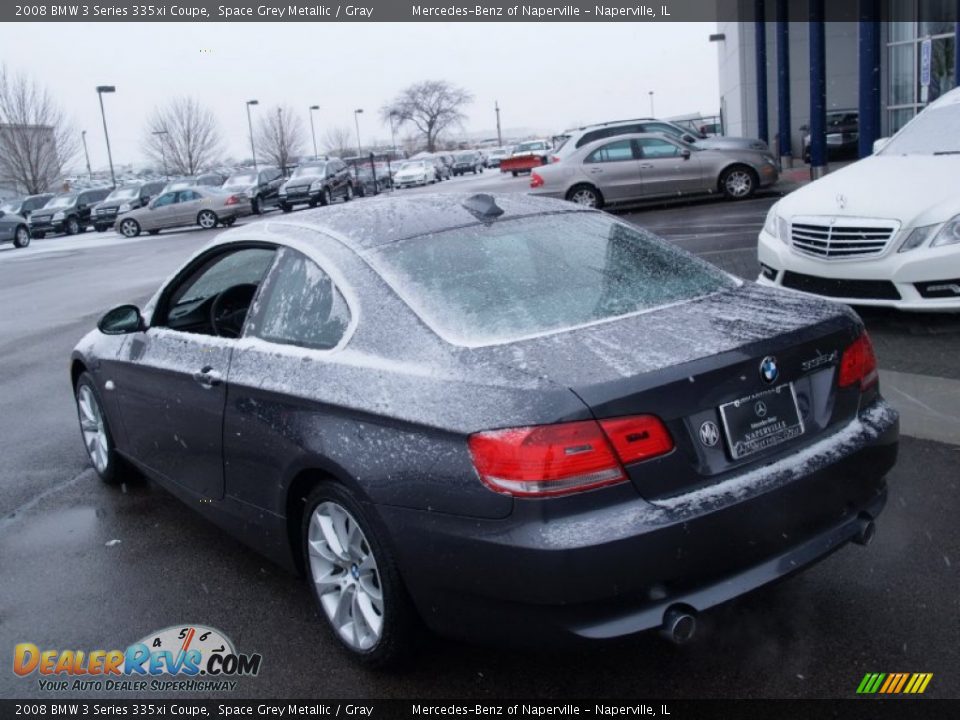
{"x": 535, "y": 180}
{"x": 564, "y": 458}
{"x": 858, "y": 365}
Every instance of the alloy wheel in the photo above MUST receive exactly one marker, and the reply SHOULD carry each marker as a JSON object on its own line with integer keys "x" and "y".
{"x": 739, "y": 183}
{"x": 346, "y": 575}
{"x": 93, "y": 428}
{"x": 129, "y": 228}
{"x": 22, "y": 238}
{"x": 207, "y": 220}
{"x": 585, "y": 197}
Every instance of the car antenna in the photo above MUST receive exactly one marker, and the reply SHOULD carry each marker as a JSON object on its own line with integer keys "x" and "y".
{"x": 483, "y": 207}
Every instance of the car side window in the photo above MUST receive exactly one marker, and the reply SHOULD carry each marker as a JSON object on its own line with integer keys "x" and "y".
{"x": 189, "y": 195}
{"x": 188, "y": 304}
{"x": 612, "y": 152}
{"x": 166, "y": 199}
{"x": 655, "y": 148}
{"x": 662, "y": 128}
{"x": 300, "y": 305}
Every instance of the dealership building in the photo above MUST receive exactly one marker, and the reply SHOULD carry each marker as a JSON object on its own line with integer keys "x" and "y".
{"x": 773, "y": 69}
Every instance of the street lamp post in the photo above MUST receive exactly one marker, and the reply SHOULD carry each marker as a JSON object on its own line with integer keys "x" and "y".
{"x": 652, "y": 114}
{"x": 496, "y": 106}
{"x": 101, "y": 89}
{"x": 83, "y": 136}
{"x": 393, "y": 131}
{"x": 313, "y": 132}
{"x": 253, "y": 149}
{"x": 356, "y": 119}
{"x": 163, "y": 150}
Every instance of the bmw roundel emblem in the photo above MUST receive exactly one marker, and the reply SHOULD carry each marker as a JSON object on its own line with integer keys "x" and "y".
{"x": 709, "y": 433}
{"x": 769, "y": 370}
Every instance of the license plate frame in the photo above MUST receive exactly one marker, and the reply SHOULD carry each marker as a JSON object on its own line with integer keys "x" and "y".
{"x": 750, "y": 429}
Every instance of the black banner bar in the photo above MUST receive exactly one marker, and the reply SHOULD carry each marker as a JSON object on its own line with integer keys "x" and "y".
{"x": 868, "y": 708}
{"x": 455, "y": 11}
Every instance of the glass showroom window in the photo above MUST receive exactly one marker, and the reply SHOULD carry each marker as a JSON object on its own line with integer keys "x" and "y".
{"x": 906, "y": 95}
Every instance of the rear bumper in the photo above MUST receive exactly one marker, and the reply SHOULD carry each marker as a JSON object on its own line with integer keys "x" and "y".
{"x": 613, "y": 570}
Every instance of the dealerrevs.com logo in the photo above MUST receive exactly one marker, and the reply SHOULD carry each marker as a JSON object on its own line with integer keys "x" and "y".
{"x": 181, "y": 657}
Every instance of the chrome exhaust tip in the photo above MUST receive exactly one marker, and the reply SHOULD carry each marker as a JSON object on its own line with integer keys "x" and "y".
{"x": 866, "y": 531}
{"x": 678, "y": 625}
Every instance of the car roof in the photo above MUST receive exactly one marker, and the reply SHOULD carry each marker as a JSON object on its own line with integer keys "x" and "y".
{"x": 381, "y": 220}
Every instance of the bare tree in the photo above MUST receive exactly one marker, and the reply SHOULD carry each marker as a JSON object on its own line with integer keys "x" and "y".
{"x": 338, "y": 141}
{"x": 36, "y": 140}
{"x": 280, "y": 136}
{"x": 431, "y": 107}
{"x": 184, "y": 135}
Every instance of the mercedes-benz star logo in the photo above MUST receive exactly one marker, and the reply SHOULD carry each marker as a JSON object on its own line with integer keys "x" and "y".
{"x": 841, "y": 201}
{"x": 760, "y": 408}
{"x": 709, "y": 433}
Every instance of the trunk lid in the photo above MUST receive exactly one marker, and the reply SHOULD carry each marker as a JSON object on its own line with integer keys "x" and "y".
{"x": 682, "y": 363}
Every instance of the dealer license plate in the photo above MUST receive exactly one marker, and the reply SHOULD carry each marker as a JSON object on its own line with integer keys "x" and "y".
{"x": 762, "y": 420}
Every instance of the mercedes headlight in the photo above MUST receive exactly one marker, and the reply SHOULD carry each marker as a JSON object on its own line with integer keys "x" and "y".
{"x": 917, "y": 237}
{"x": 776, "y": 226}
{"x": 949, "y": 234}
{"x": 124, "y": 208}
{"x": 58, "y": 215}
{"x": 316, "y": 185}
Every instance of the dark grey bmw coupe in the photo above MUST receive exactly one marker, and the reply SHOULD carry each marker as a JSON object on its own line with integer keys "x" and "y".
{"x": 506, "y": 417}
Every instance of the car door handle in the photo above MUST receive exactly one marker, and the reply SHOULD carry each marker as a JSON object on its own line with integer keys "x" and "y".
{"x": 208, "y": 377}
{"x": 646, "y": 166}
{"x": 596, "y": 171}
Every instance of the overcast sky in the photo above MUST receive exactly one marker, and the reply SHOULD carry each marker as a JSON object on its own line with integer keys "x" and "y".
{"x": 546, "y": 76}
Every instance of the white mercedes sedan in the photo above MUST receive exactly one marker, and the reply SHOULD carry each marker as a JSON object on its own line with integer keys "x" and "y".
{"x": 883, "y": 231}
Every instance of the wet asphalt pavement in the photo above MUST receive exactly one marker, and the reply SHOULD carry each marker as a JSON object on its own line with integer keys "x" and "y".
{"x": 65, "y": 583}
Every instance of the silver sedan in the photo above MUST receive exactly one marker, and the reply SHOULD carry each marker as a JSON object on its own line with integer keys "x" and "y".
{"x": 651, "y": 167}
{"x": 201, "y": 206}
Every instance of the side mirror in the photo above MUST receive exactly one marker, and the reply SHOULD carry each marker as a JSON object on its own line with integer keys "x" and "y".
{"x": 687, "y": 138}
{"x": 122, "y": 320}
{"x": 685, "y": 154}
{"x": 879, "y": 144}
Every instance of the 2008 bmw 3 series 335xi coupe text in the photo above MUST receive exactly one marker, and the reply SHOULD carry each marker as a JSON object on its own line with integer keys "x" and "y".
{"x": 499, "y": 416}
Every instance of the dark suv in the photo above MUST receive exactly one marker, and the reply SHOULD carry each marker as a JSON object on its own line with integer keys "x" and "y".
{"x": 24, "y": 206}
{"x": 69, "y": 213}
{"x": 124, "y": 199}
{"x": 260, "y": 186}
{"x": 317, "y": 183}
{"x": 467, "y": 162}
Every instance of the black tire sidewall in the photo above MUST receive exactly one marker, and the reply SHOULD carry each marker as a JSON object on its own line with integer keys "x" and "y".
{"x": 398, "y": 621}
{"x": 16, "y": 237}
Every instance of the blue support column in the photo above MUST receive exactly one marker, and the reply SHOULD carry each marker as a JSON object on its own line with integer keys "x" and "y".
{"x": 818, "y": 92}
{"x": 869, "y": 76}
{"x": 783, "y": 84}
{"x": 760, "y": 36}
{"x": 956, "y": 49}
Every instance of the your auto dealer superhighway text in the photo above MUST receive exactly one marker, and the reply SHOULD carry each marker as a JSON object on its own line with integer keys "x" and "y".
{"x": 331, "y": 11}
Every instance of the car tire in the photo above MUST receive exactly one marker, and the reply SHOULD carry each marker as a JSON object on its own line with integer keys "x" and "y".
{"x": 285, "y": 207}
{"x": 129, "y": 228}
{"x": 100, "y": 228}
{"x": 514, "y": 173}
{"x": 358, "y": 581}
{"x": 325, "y": 197}
{"x": 71, "y": 226}
{"x": 228, "y": 222}
{"x": 207, "y": 219}
{"x": 95, "y": 431}
{"x": 738, "y": 182}
{"x": 255, "y": 206}
{"x": 37, "y": 235}
{"x": 21, "y": 236}
{"x": 348, "y": 193}
{"x": 586, "y": 195}
{"x": 153, "y": 232}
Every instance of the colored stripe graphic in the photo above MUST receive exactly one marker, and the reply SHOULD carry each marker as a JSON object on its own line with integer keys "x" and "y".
{"x": 894, "y": 683}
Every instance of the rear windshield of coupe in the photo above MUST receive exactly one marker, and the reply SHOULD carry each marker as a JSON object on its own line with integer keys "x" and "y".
{"x": 509, "y": 280}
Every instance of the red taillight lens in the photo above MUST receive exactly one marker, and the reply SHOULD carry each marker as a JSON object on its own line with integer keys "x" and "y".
{"x": 637, "y": 438}
{"x": 535, "y": 180}
{"x": 567, "y": 457}
{"x": 554, "y": 159}
{"x": 232, "y": 200}
{"x": 858, "y": 364}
